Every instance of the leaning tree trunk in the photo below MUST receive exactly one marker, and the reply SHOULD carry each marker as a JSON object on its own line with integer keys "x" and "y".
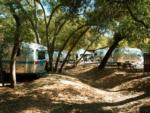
{"x": 72, "y": 47}
{"x": 65, "y": 44}
{"x": 57, "y": 31}
{"x": 59, "y": 54}
{"x": 36, "y": 23}
{"x": 76, "y": 63}
{"x": 15, "y": 48}
{"x": 49, "y": 66}
{"x": 117, "y": 39}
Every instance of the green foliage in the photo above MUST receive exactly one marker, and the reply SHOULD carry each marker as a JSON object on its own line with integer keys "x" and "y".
{"x": 27, "y": 33}
{"x": 72, "y": 6}
{"x": 130, "y": 19}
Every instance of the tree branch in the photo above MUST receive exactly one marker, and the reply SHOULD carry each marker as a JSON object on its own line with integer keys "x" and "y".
{"x": 52, "y": 13}
{"x": 135, "y": 18}
{"x": 43, "y": 12}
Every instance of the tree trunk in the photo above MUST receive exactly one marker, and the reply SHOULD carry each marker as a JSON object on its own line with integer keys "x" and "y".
{"x": 1, "y": 70}
{"x": 2, "y": 77}
{"x": 58, "y": 29}
{"x": 15, "y": 48}
{"x": 72, "y": 47}
{"x": 65, "y": 44}
{"x": 51, "y": 51}
{"x": 84, "y": 52}
{"x": 13, "y": 57}
{"x": 49, "y": 66}
{"x": 117, "y": 39}
{"x": 13, "y": 72}
{"x": 59, "y": 54}
{"x": 36, "y": 23}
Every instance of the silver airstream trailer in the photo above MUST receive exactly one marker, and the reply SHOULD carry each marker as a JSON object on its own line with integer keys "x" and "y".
{"x": 132, "y": 55}
{"x": 31, "y": 58}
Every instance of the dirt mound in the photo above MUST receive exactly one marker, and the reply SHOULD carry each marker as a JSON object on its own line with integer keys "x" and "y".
{"x": 82, "y": 90}
{"x": 68, "y": 89}
{"x": 142, "y": 84}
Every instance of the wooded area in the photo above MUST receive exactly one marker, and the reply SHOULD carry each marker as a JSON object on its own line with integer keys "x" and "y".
{"x": 59, "y": 28}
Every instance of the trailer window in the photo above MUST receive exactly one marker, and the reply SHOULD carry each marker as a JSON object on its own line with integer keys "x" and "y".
{"x": 41, "y": 55}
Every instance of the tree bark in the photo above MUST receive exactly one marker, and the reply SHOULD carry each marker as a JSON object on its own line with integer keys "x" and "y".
{"x": 84, "y": 52}
{"x": 65, "y": 44}
{"x": 117, "y": 39}
{"x": 15, "y": 48}
{"x": 49, "y": 44}
{"x": 72, "y": 47}
{"x": 36, "y": 24}
{"x": 58, "y": 29}
{"x": 13, "y": 58}
{"x": 1, "y": 68}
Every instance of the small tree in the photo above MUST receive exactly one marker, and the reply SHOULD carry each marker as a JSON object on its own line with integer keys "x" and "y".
{"x": 73, "y": 46}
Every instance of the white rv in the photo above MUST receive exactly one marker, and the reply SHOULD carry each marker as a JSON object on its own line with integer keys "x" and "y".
{"x": 132, "y": 55}
{"x": 128, "y": 54}
{"x": 88, "y": 56}
{"x": 31, "y": 58}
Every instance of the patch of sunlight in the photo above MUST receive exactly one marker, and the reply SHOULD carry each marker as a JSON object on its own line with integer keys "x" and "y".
{"x": 120, "y": 73}
{"x": 31, "y": 110}
{"x": 112, "y": 97}
{"x": 68, "y": 82}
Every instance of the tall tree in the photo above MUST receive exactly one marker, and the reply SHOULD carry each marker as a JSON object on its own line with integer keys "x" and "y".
{"x": 115, "y": 11}
{"x": 16, "y": 43}
{"x": 117, "y": 38}
{"x": 29, "y": 8}
{"x": 73, "y": 33}
{"x": 68, "y": 11}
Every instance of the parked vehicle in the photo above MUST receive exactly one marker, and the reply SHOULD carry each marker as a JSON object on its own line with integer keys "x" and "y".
{"x": 131, "y": 55}
{"x": 31, "y": 58}
{"x": 87, "y": 57}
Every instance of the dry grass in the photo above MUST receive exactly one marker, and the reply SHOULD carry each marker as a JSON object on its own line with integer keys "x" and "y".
{"x": 83, "y": 89}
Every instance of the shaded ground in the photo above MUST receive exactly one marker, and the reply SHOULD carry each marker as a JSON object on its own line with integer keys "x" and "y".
{"x": 80, "y": 90}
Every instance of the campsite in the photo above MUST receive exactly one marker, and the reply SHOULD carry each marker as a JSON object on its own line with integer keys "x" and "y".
{"x": 82, "y": 91}
{"x": 74, "y": 56}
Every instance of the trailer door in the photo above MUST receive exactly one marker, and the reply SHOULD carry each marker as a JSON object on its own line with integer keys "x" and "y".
{"x": 41, "y": 61}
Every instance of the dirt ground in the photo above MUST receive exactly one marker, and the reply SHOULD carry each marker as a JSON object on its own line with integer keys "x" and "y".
{"x": 83, "y": 89}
